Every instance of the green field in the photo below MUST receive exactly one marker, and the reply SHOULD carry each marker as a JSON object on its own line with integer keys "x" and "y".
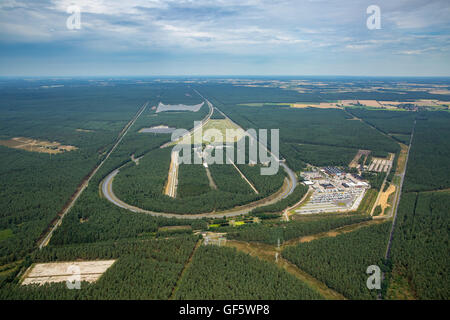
{"x": 5, "y": 234}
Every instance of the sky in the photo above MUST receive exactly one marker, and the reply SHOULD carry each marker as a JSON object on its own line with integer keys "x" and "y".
{"x": 224, "y": 37}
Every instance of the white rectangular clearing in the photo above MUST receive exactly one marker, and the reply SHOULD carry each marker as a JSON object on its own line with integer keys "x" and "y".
{"x": 90, "y": 271}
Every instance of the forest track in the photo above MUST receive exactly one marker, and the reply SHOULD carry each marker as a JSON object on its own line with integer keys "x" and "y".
{"x": 244, "y": 177}
{"x": 397, "y": 203}
{"x": 185, "y": 268}
{"x": 331, "y": 233}
{"x": 212, "y": 184}
{"x": 271, "y": 253}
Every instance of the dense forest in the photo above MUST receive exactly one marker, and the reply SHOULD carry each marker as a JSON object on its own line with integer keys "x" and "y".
{"x": 192, "y": 180}
{"x": 390, "y": 122}
{"x": 429, "y": 165}
{"x": 298, "y": 155}
{"x": 94, "y": 218}
{"x": 144, "y": 270}
{"x": 421, "y": 244}
{"x": 226, "y": 274}
{"x": 35, "y": 186}
{"x": 341, "y": 262}
{"x": 143, "y": 185}
{"x": 325, "y": 127}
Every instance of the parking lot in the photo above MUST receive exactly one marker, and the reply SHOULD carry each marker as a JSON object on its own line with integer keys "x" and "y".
{"x": 333, "y": 191}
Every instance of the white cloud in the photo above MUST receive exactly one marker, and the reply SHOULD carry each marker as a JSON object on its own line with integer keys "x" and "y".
{"x": 227, "y": 26}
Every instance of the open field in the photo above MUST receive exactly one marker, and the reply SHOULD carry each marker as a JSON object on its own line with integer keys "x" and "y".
{"x": 222, "y": 125}
{"x": 173, "y": 228}
{"x": 5, "y": 234}
{"x": 35, "y": 145}
{"x": 368, "y": 201}
{"x": 90, "y": 271}
{"x": 322, "y": 105}
{"x": 398, "y": 105}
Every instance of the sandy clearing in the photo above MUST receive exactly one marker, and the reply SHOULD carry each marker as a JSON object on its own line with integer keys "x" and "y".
{"x": 172, "y": 178}
{"x": 62, "y": 271}
{"x": 383, "y": 200}
{"x": 178, "y": 107}
{"x": 34, "y": 145}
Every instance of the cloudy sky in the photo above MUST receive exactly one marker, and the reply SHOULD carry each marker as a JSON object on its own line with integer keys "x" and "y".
{"x": 224, "y": 37}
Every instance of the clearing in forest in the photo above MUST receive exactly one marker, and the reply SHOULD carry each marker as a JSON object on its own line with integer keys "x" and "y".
{"x": 42, "y": 273}
{"x": 35, "y": 145}
{"x": 322, "y": 105}
{"x": 84, "y": 130}
{"x": 383, "y": 200}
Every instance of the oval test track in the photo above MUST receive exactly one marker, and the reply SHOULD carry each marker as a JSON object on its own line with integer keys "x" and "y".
{"x": 107, "y": 190}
